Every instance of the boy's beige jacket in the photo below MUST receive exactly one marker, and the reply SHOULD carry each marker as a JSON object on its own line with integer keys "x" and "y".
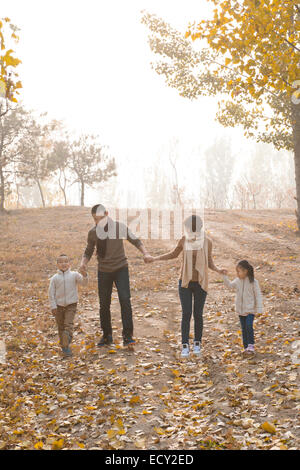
{"x": 63, "y": 288}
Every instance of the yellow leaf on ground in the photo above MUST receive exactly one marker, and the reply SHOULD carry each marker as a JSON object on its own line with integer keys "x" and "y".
{"x": 176, "y": 372}
{"x": 269, "y": 427}
{"x": 111, "y": 433}
{"x": 159, "y": 431}
{"x": 57, "y": 445}
{"x": 134, "y": 400}
{"x": 38, "y": 445}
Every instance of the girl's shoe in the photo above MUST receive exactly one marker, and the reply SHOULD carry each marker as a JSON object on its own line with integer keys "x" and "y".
{"x": 128, "y": 341}
{"x": 197, "y": 348}
{"x": 185, "y": 352}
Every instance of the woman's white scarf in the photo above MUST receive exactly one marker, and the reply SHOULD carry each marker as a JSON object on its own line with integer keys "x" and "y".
{"x": 195, "y": 241}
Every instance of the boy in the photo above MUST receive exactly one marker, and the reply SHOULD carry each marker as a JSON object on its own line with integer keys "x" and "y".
{"x": 63, "y": 297}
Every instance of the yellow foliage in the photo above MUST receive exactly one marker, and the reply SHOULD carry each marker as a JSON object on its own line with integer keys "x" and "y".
{"x": 9, "y": 84}
{"x": 260, "y": 36}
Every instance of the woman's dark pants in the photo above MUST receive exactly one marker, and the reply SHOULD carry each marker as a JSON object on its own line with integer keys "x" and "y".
{"x": 193, "y": 292}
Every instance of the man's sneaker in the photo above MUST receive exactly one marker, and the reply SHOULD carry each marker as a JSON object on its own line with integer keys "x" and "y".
{"x": 128, "y": 341}
{"x": 105, "y": 341}
{"x": 197, "y": 348}
{"x": 185, "y": 352}
{"x": 67, "y": 352}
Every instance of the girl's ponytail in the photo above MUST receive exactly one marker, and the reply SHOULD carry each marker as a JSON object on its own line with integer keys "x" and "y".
{"x": 246, "y": 265}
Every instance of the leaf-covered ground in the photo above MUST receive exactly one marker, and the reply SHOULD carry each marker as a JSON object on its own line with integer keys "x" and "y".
{"x": 149, "y": 397}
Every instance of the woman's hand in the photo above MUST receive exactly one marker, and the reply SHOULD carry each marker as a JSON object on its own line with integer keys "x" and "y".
{"x": 223, "y": 271}
{"x": 148, "y": 258}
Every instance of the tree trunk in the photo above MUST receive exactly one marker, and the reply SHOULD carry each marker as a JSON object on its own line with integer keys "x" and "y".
{"x": 18, "y": 196}
{"x": 41, "y": 193}
{"x": 296, "y": 140}
{"x": 65, "y": 197}
{"x": 2, "y": 193}
{"x": 82, "y": 193}
{"x": 63, "y": 186}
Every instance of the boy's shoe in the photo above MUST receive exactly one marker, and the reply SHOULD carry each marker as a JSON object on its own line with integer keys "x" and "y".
{"x": 128, "y": 341}
{"x": 185, "y": 352}
{"x": 197, "y": 348}
{"x": 67, "y": 352}
{"x": 105, "y": 341}
{"x": 250, "y": 348}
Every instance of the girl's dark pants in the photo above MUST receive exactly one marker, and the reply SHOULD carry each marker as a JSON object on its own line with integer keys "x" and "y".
{"x": 247, "y": 329}
{"x": 187, "y": 294}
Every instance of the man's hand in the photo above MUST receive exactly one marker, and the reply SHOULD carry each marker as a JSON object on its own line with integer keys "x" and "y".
{"x": 83, "y": 270}
{"x": 54, "y": 311}
{"x": 148, "y": 258}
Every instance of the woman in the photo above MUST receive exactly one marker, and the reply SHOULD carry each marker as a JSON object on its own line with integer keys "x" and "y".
{"x": 196, "y": 249}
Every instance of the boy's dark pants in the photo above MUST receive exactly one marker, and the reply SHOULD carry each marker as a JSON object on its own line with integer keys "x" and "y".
{"x": 65, "y": 323}
{"x": 247, "y": 329}
{"x": 105, "y": 284}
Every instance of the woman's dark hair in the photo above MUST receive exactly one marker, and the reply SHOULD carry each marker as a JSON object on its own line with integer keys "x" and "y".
{"x": 246, "y": 265}
{"x": 194, "y": 223}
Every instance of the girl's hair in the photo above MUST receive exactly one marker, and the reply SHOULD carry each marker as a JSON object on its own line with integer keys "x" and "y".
{"x": 194, "y": 223}
{"x": 246, "y": 265}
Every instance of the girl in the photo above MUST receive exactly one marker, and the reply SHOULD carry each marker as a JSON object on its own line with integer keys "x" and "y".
{"x": 196, "y": 249}
{"x": 248, "y": 300}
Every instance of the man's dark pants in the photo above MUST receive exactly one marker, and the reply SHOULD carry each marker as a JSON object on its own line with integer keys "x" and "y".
{"x": 105, "y": 285}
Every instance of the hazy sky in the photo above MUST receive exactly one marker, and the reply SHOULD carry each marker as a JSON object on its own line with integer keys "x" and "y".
{"x": 88, "y": 63}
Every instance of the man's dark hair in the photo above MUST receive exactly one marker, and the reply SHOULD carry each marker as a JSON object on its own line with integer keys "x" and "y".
{"x": 98, "y": 207}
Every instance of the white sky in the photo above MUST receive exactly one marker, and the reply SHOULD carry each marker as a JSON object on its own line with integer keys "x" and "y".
{"x": 88, "y": 63}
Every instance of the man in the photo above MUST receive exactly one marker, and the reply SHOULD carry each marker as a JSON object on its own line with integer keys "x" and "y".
{"x": 107, "y": 236}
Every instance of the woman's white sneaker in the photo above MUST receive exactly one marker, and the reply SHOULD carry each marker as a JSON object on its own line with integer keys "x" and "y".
{"x": 185, "y": 352}
{"x": 197, "y": 348}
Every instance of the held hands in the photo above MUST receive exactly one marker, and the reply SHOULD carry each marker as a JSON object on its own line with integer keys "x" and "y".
{"x": 148, "y": 258}
{"x": 82, "y": 269}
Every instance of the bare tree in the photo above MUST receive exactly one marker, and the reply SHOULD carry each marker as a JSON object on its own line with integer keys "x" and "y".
{"x": 59, "y": 161}
{"x": 219, "y": 161}
{"x": 35, "y": 150}
{"x": 177, "y": 190}
{"x": 254, "y": 189}
{"x": 241, "y": 194}
{"x": 90, "y": 163}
